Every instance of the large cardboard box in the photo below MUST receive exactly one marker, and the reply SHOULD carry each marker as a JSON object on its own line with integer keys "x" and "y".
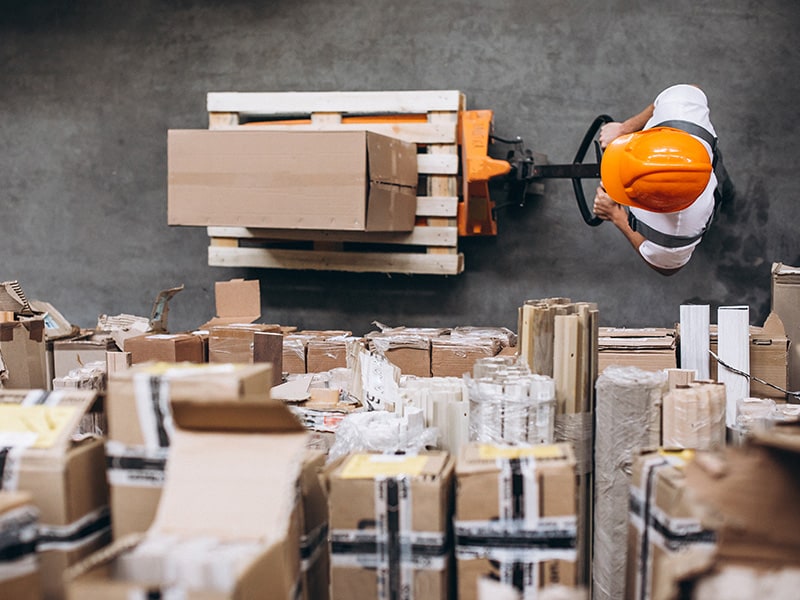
{"x": 342, "y": 180}
{"x": 408, "y": 348}
{"x": 23, "y": 362}
{"x": 664, "y": 521}
{"x": 165, "y": 347}
{"x": 75, "y": 353}
{"x": 65, "y": 478}
{"x": 648, "y": 348}
{"x": 769, "y": 358}
{"x": 235, "y": 343}
{"x": 786, "y": 304}
{"x": 228, "y": 523}
{"x": 19, "y": 565}
{"x": 139, "y": 426}
{"x": 390, "y": 519}
{"x": 515, "y": 517}
{"x": 455, "y": 354}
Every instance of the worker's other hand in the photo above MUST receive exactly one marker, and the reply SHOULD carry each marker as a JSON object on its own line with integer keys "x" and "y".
{"x": 608, "y": 210}
{"x": 609, "y": 132}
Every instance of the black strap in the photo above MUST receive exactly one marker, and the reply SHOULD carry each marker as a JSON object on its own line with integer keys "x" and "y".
{"x": 692, "y": 128}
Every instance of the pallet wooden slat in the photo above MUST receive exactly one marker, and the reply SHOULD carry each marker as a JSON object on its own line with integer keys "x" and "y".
{"x": 361, "y": 262}
{"x": 292, "y": 103}
{"x": 419, "y": 236}
{"x": 437, "y": 160}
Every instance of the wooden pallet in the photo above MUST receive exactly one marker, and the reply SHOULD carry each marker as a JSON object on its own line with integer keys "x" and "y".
{"x": 430, "y": 248}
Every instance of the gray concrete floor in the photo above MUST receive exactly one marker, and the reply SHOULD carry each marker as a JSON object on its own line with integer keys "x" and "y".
{"x": 89, "y": 90}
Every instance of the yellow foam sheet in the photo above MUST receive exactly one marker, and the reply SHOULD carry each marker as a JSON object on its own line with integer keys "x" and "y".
{"x": 47, "y": 423}
{"x": 369, "y": 466}
{"x": 493, "y": 452}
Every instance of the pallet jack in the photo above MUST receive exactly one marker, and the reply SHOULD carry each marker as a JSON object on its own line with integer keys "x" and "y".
{"x": 516, "y": 174}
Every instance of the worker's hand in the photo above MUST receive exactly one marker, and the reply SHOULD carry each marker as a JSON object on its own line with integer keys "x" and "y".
{"x": 608, "y": 210}
{"x": 609, "y": 132}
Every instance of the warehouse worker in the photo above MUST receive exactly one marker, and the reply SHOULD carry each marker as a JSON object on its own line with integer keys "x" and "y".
{"x": 664, "y": 165}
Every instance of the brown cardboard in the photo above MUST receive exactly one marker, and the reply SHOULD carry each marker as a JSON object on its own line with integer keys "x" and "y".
{"x": 237, "y": 301}
{"x": 234, "y": 343}
{"x": 19, "y": 520}
{"x": 647, "y": 348}
{"x": 75, "y": 353}
{"x": 314, "y": 549}
{"x": 165, "y": 347}
{"x": 326, "y": 354}
{"x": 23, "y": 354}
{"x": 135, "y": 468}
{"x": 491, "y": 523}
{"x": 294, "y": 353}
{"x": 341, "y": 180}
{"x": 769, "y": 357}
{"x": 408, "y": 348}
{"x": 215, "y": 447}
{"x": 360, "y": 500}
{"x": 454, "y": 355}
{"x": 268, "y": 348}
{"x": 786, "y": 304}
{"x": 664, "y": 521}
{"x": 66, "y": 480}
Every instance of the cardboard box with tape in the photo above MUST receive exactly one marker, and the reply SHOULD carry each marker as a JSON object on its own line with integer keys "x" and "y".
{"x": 19, "y": 564}
{"x": 390, "y": 520}
{"x": 139, "y": 426}
{"x": 515, "y": 518}
{"x": 229, "y": 520}
{"x": 65, "y": 477}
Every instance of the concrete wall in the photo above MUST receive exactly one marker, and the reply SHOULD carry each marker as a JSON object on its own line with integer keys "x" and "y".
{"x": 89, "y": 89}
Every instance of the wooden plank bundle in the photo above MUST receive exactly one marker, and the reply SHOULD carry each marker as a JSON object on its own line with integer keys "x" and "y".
{"x": 428, "y": 119}
{"x": 559, "y": 338}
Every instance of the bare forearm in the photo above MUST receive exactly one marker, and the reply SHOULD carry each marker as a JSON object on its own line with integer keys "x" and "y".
{"x": 636, "y": 239}
{"x": 637, "y": 122}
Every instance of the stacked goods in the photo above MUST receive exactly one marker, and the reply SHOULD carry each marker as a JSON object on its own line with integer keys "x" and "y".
{"x": 390, "y": 519}
{"x": 409, "y": 348}
{"x": 140, "y": 426}
{"x": 559, "y": 339}
{"x": 19, "y": 565}
{"x": 444, "y": 404}
{"x": 508, "y": 404}
{"x": 646, "y": 348}
{"x": 515, "y": 517}
{"x": 703, "y": 527}
{"x": 693, "y": 416}
{"x": 230, "y": 519}
{"x": 628, "y": 420}
{"x": 455, "y": 354}
{"x": 64, "y": 476}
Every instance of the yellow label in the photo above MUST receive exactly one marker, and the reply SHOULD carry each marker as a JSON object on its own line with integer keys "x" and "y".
{"x": 369, "y": 466}
{"x": 188, "y": 369}
{"x": 492, "y": 452}
{"x": 46, "y": 423}
{"x": 686, "y": 455}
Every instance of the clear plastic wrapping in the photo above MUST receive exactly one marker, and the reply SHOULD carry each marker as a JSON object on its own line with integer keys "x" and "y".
{"x": 693, "y": 416}
{"x": 577, "y": 429}
{"x": 510, "y": 405}
{"x": 382, "y": 431}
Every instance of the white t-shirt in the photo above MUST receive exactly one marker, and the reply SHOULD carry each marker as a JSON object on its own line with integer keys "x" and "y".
{"x": 687, "y": 103}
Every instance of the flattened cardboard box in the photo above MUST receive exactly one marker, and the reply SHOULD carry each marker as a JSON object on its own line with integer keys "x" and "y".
{"x": 402, "y": 504}
{"x": 237, "y": 301}
{"x": 19, "y": 565}
{"x": 515, "y": 516}
{"x": 341, "y": 180}
{"x": 250, "y": 454}
{"x": 647, "y": 348}
{"x": 137, "y": 406}
{"x": 65, "y": 479}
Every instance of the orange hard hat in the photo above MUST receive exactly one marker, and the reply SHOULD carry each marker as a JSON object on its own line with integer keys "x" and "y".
{"x": 662, "y": 169}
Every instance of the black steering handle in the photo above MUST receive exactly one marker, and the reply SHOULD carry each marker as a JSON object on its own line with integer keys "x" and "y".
{"x": 588, "y": 216}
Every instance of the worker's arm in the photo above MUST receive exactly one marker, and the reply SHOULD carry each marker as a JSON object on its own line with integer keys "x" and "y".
{"x": 611, "y": 131}
{"x": 608, "y": 210}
